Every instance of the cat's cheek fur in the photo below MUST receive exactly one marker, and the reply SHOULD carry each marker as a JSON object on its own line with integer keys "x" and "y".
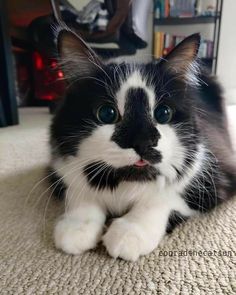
{"x": 100, "y": 147}
{"x": 172, "y": 152}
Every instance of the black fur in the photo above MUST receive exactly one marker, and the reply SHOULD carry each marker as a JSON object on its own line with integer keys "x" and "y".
{"x": 110, "y": 177}
{"x": 175, "y": 219}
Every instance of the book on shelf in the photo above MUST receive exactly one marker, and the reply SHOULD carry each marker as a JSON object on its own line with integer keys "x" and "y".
{"x": 164, "y": 43}
{"x": 184, "y": 8}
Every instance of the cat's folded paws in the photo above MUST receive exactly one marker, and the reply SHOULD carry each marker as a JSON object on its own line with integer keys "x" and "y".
{"x": 127, "y": 240}
{"x": 74, "y": 236}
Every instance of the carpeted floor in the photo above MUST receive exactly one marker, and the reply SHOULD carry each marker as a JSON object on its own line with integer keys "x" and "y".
{"x": 29, "y": 263}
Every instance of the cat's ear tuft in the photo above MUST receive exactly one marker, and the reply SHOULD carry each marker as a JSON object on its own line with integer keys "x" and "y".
{"x": 77, "y": 59}
{"x": 182, "y": 59}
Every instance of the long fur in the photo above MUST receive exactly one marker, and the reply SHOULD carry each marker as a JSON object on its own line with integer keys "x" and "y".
{"x": 191, "y": 166}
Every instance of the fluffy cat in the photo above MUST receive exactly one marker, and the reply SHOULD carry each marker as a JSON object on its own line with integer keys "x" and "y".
{"x": 146, "y": 144}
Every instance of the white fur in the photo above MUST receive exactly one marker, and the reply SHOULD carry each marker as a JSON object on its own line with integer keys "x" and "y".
{"x": 105, "y": 149}
{"x": 134, "y": 80}
{"x": 140, "y": 230}
{"x": 192, "y": 74}
{"x": 79, "y": 230}
{"x": 171, "y": 150}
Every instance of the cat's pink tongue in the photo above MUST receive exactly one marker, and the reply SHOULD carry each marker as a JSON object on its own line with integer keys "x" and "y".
{"x": 141, "y": 163}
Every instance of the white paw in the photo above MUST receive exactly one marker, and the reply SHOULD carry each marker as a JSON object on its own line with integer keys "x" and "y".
{"x": 75, "y": 236}
{"x": 127, "y": 240}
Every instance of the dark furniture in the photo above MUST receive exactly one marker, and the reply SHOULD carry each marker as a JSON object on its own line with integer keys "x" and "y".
{"x": 8, "y": 104}
{"x": 15, "y": 16}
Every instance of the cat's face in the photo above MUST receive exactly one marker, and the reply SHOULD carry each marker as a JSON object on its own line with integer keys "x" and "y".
{"x": 127, "y": 122}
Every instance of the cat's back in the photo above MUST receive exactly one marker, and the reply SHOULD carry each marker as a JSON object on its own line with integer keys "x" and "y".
{"x": 213, "y": 124}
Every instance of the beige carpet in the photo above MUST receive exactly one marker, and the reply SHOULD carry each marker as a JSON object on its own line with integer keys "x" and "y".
{"x": 29, "y": 263}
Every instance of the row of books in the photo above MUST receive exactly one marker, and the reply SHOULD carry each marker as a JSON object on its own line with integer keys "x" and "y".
{"x": 164, "y": 43}
{"x": 183, "y": 8}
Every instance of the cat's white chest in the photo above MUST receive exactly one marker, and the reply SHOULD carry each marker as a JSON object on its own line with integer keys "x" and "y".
{"x": 120, "y": 200}
{"x": 123, "y": 197}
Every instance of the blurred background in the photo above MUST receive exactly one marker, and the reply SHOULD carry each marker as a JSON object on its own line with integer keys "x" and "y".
{"x": 139, "y": 29}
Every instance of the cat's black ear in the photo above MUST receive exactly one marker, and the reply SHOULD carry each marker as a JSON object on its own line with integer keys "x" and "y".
{"x": 182, "y": 59}
{"x": 77, "y": 59}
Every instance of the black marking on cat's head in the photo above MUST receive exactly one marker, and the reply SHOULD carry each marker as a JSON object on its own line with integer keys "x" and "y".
{"x": 137, "y": 130}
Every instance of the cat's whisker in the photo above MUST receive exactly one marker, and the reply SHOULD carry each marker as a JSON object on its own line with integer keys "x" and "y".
{"x": 47, "y": 177}
{"x": 55, "y": 184}
{"x": 76, "y": 166}
{"x": 77, "y": 176}
{"x": 82, "y": 189}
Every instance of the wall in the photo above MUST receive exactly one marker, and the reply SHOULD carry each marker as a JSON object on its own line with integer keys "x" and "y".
{"x": 226, "y": 69}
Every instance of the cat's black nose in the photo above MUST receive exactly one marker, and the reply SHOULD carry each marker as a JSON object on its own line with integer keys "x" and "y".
{"x": 144, "y": 141}
{"x": 142, "y": 147}
{"x": 141, "y": 137}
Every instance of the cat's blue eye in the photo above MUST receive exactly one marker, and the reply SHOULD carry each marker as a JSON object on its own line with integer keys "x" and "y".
{"x": 163, "y": 114}
{"x": 107, "y": 114}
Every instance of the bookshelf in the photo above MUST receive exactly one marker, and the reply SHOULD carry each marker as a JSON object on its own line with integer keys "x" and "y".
{"x": 209, "y": 48}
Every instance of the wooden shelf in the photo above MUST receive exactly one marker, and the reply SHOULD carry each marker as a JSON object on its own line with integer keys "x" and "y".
{"x": 185, "y": 20}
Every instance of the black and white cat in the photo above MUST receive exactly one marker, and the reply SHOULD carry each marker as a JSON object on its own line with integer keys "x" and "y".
{"x": 146, "y": 144}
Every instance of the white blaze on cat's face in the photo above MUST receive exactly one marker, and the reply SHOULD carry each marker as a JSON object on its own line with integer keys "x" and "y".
{"x": 134, "y": 80}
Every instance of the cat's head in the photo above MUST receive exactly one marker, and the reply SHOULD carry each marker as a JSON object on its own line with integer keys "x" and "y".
{"x": 134, "y": 121}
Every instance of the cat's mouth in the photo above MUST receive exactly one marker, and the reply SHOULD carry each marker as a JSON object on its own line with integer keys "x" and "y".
{"x": 141, "y": 163}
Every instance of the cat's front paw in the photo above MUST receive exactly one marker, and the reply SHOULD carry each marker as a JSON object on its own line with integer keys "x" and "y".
{"x": 127, "y": 240}
{"x": 74, "y": 236}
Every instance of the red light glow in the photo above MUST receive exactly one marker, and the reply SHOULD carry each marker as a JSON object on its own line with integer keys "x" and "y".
{"x": 38, "y": 60}
{"x": 60, "y": 74}
{"x": 47, "y": 97}
{"x": 53, "y": 64}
